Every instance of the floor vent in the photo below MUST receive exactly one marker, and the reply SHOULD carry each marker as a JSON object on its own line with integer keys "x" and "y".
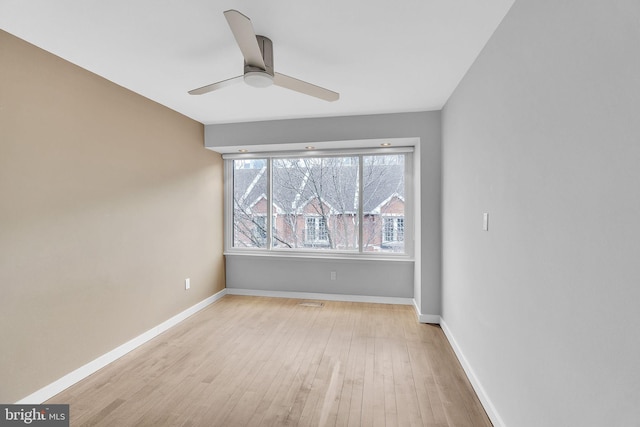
{"x": 312, "y": 304}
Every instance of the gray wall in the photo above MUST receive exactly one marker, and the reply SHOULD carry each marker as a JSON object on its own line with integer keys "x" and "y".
{"x": 353, "y": 277}
{"x": 425, "y": 125}
{"x": 543, "y": 133}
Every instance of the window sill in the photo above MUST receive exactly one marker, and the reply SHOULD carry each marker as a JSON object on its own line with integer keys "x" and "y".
{"x": 322, "y": 256}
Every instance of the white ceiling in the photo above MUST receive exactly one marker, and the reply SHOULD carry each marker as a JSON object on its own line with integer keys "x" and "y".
{"x": 382, "y": 56}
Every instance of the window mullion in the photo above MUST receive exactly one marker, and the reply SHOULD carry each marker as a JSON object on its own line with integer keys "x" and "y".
{"x": 229, "y": 205}
{"x": 360, "y": 203}
{"x": 269, "y": 220}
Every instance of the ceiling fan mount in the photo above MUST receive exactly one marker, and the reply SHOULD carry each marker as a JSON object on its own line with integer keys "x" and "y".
{"x": 258, "y": 63}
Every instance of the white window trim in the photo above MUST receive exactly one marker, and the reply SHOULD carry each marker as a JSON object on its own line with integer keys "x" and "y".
{"x": 410, "y": 206}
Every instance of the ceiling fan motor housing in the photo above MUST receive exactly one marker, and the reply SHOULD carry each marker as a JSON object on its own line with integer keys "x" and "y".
{"x": 256, "y": 76}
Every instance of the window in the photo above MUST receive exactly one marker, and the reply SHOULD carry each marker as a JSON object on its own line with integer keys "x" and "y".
{"x": 316, "y": 231}
{"x": 388, "y": 230}
{"x": 314, "y": 198}
{"x": 249, "y": 204}
{"x": 383, "y": 197}
{"x": 353, "y": 203}
{"x": 393, "y": 233}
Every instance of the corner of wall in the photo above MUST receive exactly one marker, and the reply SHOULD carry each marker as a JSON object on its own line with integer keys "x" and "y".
{"x": 425, "y": 318}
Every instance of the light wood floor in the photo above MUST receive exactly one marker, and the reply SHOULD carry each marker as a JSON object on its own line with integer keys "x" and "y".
{"x": 272, "y": 361}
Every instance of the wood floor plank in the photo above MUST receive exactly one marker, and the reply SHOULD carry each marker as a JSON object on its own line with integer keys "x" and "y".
{"x": 337, "y": 399}
{"x": 404, "y": 387}
{"x": 388, "y": 380}
{"x": 321, "y": 380}
{"x": 355, "y": 374}
{"x": 256, "y": 361}
{"x": 350, "y": 399}
{"x": 276, "y": 398}
{"x": 429, "y": 403}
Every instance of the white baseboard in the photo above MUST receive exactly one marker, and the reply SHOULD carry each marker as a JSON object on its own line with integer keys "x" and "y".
{"x": 319, "y": 296}
{"x": 48, "y": 391}
{"x": 475, "y": 382}
{"x": 425, "y": 318}
{"x": 429, "y": 318}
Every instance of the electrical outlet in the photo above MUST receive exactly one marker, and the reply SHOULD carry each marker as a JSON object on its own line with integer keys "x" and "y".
{"x": 187, "y": 283}
{"x": 334, "y": 275}
{"x": 485, "y": 221}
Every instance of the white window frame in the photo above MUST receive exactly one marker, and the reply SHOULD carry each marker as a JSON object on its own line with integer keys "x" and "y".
{"x": 269, "y": 250}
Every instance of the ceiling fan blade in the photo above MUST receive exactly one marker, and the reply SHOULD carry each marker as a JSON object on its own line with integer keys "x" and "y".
{"x": 304, "y": 87}
{"x": 245, "y": 37}
{"x": 216, "y": 86}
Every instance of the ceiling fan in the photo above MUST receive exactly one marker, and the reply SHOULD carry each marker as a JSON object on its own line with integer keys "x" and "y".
{"x": 258, "y": 63}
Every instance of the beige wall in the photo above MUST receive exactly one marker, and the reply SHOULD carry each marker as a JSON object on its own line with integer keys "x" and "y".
{"x": 108, "y": 201}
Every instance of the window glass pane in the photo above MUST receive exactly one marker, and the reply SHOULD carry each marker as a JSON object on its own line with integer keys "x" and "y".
{"x": 400, "y": 229}
{"x": 260, "y": 231}
{"x": 311, "y": 229}
{"x": 250, "y": 203}
{"x": 323, "y": 233}
{"x": 315, "y": 203}
{"x": 383, "y": 198}
{"x": 388, "y": 230}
